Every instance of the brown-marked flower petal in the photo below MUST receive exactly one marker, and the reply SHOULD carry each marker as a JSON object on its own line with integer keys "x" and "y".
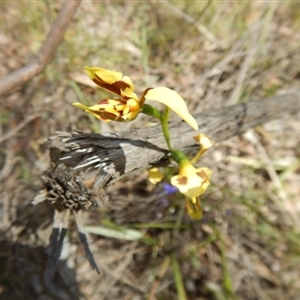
{"x": 190, "y": 181}
{"x": 112, "y": 81}
{"x": 110, "y": 109}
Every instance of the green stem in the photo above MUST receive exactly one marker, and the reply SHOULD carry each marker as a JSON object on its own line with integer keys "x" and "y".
{"x": 152, "y": 112}
{"x": 178, "y": 156}
{"x": 165, "y": 127}
{"x": 149, "y": 110}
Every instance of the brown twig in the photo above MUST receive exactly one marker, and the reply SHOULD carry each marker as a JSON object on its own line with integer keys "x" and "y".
{"x": 17, "y": 78}
{"x": 20, "y": 126}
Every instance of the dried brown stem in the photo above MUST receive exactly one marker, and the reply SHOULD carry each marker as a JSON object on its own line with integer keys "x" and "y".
{"x": 46, "y": 53}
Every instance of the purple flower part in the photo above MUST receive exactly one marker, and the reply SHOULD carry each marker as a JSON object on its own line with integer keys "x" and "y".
{"x": 169, "y": 188}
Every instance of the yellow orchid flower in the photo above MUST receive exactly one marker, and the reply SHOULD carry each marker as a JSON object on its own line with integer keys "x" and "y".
{"x": 129, "y": 106}
{"x": 190, "y": 181}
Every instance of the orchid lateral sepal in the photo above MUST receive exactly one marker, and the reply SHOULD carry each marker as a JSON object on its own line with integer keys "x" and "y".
{"x": 193, "y": 208}
{"x": 155, "y": 176}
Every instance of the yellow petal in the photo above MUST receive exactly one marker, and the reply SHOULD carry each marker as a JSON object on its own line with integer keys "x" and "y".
{"x": 192, "y": 182}
{"x": 112, "y": 81}
{"x": 155, "y": 176}
{"x": 173, "y": 100}
{"x": 106, "y": 75}
{"x": 205, "y": 144}
{"x": 114, "y": 110}
{"x": 204, "y": 141}
{"x": 88, "y": 109}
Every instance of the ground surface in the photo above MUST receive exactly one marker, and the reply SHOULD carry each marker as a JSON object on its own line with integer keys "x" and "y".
{"x": 214, "y": 54}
